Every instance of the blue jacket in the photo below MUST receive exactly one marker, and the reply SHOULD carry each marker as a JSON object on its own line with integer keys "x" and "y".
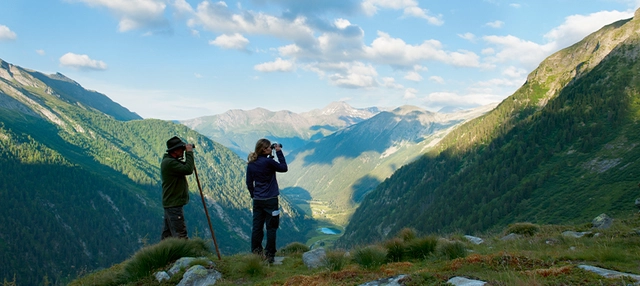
{"x": 261, "y": 176}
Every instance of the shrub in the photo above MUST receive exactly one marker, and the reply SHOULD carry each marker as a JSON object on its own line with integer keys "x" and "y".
{"x": 524, "y": 228}
{"x": 453, "y": 250}
{"x": 395, "y": 249}
{"x": 335, "y": 260}
{"x": 294, "y": 247}
{"x": 422, "y": 247}
{"x": 370, "y": 257}
{"x": 253, "y": 265}
{"x": 407, "y": 234}
{"x": 162, "y": 254}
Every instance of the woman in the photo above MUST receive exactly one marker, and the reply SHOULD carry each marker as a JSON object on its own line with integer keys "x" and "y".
{"x": 263, "y": 188}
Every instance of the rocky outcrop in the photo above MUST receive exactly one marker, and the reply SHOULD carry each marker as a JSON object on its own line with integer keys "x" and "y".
{"x": 314, "y": 258}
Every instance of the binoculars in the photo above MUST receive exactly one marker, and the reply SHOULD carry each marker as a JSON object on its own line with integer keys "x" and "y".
{"x": 274, "y": 145}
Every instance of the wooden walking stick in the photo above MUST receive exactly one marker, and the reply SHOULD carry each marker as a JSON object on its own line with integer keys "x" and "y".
{"x": 206, "y": 212}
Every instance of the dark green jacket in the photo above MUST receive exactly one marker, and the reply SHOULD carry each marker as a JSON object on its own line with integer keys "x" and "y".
{"x": 175, "y": 190}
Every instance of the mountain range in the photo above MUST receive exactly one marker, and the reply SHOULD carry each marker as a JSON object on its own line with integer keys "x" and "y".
{"x": 240, "y": 129}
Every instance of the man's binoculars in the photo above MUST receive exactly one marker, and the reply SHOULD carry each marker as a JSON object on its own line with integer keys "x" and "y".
{"x": 274, "y": 145}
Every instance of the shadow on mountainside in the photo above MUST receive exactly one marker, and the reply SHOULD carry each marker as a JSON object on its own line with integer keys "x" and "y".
{"x": 362, "y": 187}
{"x": 378, "y": 134}
{"x": 300, "y": 197}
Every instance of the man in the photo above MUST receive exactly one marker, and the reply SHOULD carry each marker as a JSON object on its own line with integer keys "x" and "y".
{"x": 175, "y": 190}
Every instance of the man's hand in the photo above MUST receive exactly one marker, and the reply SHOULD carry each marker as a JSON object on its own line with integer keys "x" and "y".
{"x": 189, "y": 147}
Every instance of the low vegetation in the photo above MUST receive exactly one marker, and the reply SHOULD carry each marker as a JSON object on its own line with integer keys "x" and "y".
{"x": 541, "y": 256}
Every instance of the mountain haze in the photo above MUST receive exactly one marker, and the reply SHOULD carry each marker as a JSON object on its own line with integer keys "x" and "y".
{"x": 240, "y": 129}
{"x": 81, "y": 181}
{"x": 563, "y": 148}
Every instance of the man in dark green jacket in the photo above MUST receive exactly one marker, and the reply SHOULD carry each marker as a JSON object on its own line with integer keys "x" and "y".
{"x": 175, "y": 190}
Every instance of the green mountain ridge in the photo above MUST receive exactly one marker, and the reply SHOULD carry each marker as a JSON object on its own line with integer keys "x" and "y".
{"x": 80, "y": 186}
{"x": 561, "y": 149}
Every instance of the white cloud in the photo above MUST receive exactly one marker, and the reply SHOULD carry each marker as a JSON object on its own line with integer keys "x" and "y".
{"x": 410, "y": 9}
{"x": 410, "y": 93}
{"x": 467, "y": 36}
{"x": 437, "y": 100}
{"x": 418, "y": 12}
{"x": 6, "y": 33}
{"x": 514, "y": 72}
{"x": 500, "y": 82}
{"x": 413, "y": 76}
{"x": 488, "y": 51}
{"x": 234, "y": 41}
{"x": 390, "y": 82}
{"x": 495, "y": 24}
{"x": 576, "y": 27}
{"x": 133, "y": 14}
{"x": 40, "y": 52}
{"x": 342, "y": 23}
{"x": 436, "y": 79}
{"x": 394, "y": 51}
{"x": 515, "y": 5}
{"x": 182, "y": 7}
{"x": 346, "y": 74}
{"x": 81, "y": 62}
{"x": 279, "y": 65}
{"x": 512, "y": 48}
{"x": 218, "y": 18}
{"x": 197, "y": 75}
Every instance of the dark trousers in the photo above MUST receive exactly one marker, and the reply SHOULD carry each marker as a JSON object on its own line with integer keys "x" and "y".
{"x": 174, "y": 225}
{"x": 265, "y": 212}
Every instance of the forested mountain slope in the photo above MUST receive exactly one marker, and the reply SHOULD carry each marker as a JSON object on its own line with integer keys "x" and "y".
{"x": 80, "y": 184}
{"x": 563, "y": 148}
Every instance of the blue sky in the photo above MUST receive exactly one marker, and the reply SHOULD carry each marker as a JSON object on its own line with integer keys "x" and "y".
{"x": 181, "y": 59}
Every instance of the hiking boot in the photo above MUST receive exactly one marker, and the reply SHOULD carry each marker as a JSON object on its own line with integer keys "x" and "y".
{"x": 270, "y": 259}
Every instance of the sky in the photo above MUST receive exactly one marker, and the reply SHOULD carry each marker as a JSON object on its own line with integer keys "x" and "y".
{"x": 182, "y": 59}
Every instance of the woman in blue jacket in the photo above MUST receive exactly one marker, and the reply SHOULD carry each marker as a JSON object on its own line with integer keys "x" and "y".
{"x": 263, "y": 187}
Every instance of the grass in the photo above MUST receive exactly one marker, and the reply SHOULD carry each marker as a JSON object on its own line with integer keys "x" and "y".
{"x": 540, "y": 257}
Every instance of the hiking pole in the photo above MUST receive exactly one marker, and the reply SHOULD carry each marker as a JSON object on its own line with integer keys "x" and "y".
{"x": 206, "y": 212}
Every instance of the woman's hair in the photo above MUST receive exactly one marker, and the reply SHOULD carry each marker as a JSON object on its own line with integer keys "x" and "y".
{"x": 260, "y": 145}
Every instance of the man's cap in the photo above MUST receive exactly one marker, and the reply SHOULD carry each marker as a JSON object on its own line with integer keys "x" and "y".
{"x": 175, "y": 143}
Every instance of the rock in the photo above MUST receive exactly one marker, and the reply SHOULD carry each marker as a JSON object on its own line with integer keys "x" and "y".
{"x": 278, "y": 260}
{"x": 199, "y": 276}
{"x": 511, "y": 236}
{"x": 638, "y": 201}
{"x": 551, "y": 241}
{"x": 473, "y": 239}
{"x": 461, "y": 281}
{"x": 391, "y": 281}
{"x": 575, "y": 234}
{"x": 608, "y": 273}
{"x": 314, "y": 258}
{"x": 161, "y": 276}
{"x": 602, "y": 221}
{"x": 184, "y": 262}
